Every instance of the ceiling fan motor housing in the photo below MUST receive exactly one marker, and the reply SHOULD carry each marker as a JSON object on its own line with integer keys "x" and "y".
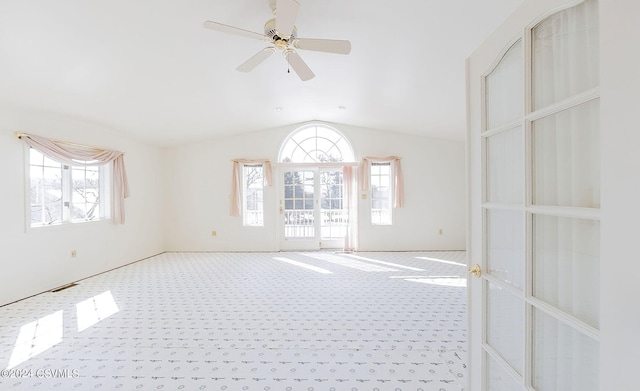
{"x": 275, "y": 35}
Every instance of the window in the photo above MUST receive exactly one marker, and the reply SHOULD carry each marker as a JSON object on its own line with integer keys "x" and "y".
{"x": 316, "y": 144}
{"x": 61, "y": 193}
{"x": 381, "y": 193}
{"x": 253, "y": 195}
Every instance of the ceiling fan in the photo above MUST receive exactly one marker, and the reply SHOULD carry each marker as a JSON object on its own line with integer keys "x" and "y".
{"x": 281, "y": 32}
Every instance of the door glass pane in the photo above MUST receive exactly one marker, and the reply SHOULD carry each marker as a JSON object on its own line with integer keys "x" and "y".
{"x": 498, "y": 379}
{"x": 505, "y": 246}
{"x": 563, "y": 358}
{"x": 505, "y": 167}
{"x": 333, "y": 212}
{"x": 505, "y": 325}
{"x": 565, "y": 54}
{"x": 504, "y": 89}
{"x": 566, "y": 261}
{"x": 566, "y": 157}
{"x": 299, "y": 204}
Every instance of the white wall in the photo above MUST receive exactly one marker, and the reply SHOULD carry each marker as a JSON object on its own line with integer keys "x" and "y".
{"x": 37, "y": 260}
{"x": 620, "y": 99}
{"x": 198, "y": 182}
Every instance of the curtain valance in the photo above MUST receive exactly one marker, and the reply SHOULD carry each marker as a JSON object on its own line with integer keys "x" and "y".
{"x": 398, "y": 199}
{"x": 236, "y": 180}
{"x": 75, "y": 155}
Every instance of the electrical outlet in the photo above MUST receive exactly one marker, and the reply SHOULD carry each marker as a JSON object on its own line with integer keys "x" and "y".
{"x": 440, "y": 231}
{"x": 214, "y": 233}
{"x": 363, "y": 196}
{"x": 73, "y": 253}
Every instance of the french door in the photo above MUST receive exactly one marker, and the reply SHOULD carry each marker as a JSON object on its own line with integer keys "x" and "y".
{"x": 313, "y": 210}
{"x": 534, "y": 222}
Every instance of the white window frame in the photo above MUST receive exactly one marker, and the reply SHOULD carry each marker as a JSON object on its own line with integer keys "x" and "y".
{"x": 66, "y": 179}
{"x": 376, "y": 213}
{"x": 253, "y": 217}
{"x": 316, "y": 143}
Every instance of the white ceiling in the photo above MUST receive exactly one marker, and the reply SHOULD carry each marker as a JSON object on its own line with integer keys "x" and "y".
{"x": 148, "y": 68}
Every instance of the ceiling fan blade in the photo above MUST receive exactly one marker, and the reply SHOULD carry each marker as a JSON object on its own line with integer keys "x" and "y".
{"x": 299, "y": 66}
{"x": 233, "y": 30}
{"x": 256, "y": 60}
{"x": 323, "y": 45}
{"x": 286, "y": 13}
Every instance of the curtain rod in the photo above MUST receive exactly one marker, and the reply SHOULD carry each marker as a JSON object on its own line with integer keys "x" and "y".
{"x": 20, "y": 134}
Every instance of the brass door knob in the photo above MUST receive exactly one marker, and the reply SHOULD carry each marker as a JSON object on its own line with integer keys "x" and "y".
{"x": 475, "y": 270}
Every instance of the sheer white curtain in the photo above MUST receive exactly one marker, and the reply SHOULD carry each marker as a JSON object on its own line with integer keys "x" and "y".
{"x": 236, "y": 182}
{"x": 567, "y": 157}
{"x": 348, "y": 180}
{"x": 565, "y": 54}
{"x": 566, "y": 144}
{"x": 566, "y": 269}
{"x": 504, "y": 88}
{"x": 566, "y": 165}
{"x": 74, "y": 155}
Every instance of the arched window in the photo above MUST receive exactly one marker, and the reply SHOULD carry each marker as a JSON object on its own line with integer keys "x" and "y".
{"x": 316, "y": 144}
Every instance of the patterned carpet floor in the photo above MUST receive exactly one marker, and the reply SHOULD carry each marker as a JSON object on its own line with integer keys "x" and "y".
{"x": 294, "y": 321}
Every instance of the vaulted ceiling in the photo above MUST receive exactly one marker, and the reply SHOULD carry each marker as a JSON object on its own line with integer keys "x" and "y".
{"x": 149, "y": 69}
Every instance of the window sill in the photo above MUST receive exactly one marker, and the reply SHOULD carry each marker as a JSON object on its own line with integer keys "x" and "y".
{"x": 68, "y": 225}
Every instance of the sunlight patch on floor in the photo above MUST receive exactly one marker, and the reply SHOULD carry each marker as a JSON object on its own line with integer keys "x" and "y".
{"x": 442, "y": 281}
{"x": 303, "y": 265}
{"x": 95, "y": 309}
{"x": 442, "y": 261}
{"x": 36, "y": 337}
{"x": 385, "y": 263}
{"x": 338, "y": 260}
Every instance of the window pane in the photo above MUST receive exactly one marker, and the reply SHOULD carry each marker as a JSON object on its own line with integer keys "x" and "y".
{"x": 505, "y": 325}
{"x": 52, "y": 213}
{"x": 505, "y": 167}
{"x": 504, "y": 88}
{"x": 299, "y": 205}
{"x": 566, "y": 265}
{"x": 61, "y": 193}
{"x": 563, "y": 358}
{"x": 253, "y": 189}
{"x": 567, "y": 157}
{"x": 498, "y": 379}
{"x": 381, "y": 193}
{"x": 45, "y": 189}
{"x": 323, "y": 147}
{"x": 48, "y": 162}
{"x": 566, "y": 54}
{"x": 85, "y": 194}
{"x": 505, "y": 252}
{"x": 304, "y": 134}
{"x": 343, "y": 150}
{"x": 334, "y": 219}
{"x": 316, "y": 144}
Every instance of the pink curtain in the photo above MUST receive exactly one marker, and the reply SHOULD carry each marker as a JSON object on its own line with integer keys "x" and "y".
{"x": 348, "y": 181}
{"x": 236, "y": 180}
{"x": 75, "y": 155}
{"x": 398, "y": 179}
